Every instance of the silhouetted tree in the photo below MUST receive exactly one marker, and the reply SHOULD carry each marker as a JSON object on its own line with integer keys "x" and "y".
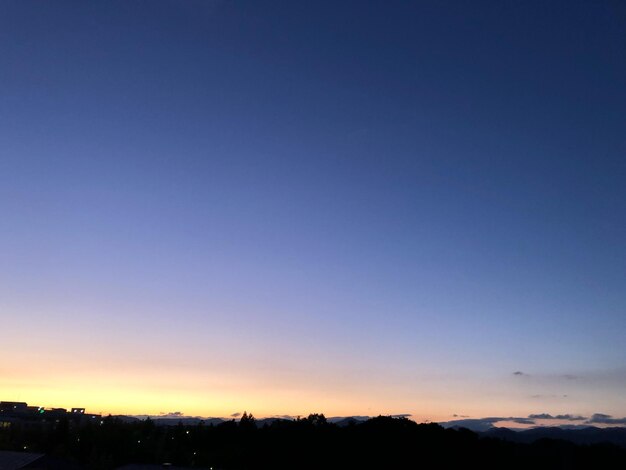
{"x": 306, "y": 444}
{"x": 247, "y": 421}
{"x": 317, "y": 419}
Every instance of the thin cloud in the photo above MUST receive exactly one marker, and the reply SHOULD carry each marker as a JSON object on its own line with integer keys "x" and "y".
{"x": 565, "y": 417}
{"x": 601, "y": 418}
{"x": 171, "y": 414}
{"x": 549, "y": 376}
{"x": 570, "y": 417}
{"x": 474, "y": 424}
{"x": 548, "y": 396}
{"x": 528, "y": 421}
{"x": 235, "y": 415}
{"x": 485, "y": 424}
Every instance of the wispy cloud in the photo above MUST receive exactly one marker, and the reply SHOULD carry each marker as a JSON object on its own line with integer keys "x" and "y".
{"x": 601, "y": 418}
{"x": 548, "y": 376}
{"x": 171, "y": 414}
{"x": 565, "y": 417}
{"x": 484, "y": 424}
{"x": 529, "y": 421}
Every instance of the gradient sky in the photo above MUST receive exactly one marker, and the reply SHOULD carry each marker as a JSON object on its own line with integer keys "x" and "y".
{"x": 291, "y": 207}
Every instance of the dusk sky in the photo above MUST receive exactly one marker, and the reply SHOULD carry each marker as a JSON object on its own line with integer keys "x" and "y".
{"x": 347, "y": 207}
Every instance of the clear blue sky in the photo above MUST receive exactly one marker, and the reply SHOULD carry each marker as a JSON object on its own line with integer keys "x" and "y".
{"x": 347, "y": 207}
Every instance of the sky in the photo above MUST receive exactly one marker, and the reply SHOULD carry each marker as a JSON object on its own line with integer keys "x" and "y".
{"x": 354, "y": 208}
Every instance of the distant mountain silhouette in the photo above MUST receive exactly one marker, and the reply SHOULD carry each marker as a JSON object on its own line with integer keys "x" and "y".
{"x": 309, "y": 443}
{"x": 579, "y": 435}
{"x": 126, "y": 419}
{"x": 194, "y": 420}
{"x": 347, "y": 420}
{"x": 187, "y": 421}
{"x": 171, "y": 421}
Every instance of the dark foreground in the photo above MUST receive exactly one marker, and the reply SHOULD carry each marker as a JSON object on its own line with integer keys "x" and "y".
{"x": 309, "y": 443}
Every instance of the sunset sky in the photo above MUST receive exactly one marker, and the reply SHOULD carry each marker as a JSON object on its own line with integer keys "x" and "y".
{"x": 347, "y": 207}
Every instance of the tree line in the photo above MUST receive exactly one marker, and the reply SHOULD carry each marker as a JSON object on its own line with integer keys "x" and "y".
{"x": 304, "y": 443}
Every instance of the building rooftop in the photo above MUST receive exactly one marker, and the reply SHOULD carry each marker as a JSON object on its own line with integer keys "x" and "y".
{"x": 16, "y": 460}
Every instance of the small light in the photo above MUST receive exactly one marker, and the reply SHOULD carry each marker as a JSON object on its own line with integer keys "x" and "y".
{"x": 187, "y": 432}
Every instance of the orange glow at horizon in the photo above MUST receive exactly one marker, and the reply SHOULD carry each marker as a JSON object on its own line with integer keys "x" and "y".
{"x": 154, "y": 392}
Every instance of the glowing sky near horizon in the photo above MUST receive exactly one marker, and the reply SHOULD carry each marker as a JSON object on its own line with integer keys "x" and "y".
{"x": 354, "y": 208}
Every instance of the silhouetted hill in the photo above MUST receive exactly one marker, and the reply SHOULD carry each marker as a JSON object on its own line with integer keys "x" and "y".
{"x": 502, "y": 433}
{"x": 194, "y": 421}
{"x": 269, "y": 421}
{"x": 313, "y": 443}
{"x": 187, "y": 421}
{"x": 171, "y": 421}
{"x": 125, "y": 418}
{"x": 580, "y": 435}
{"x": 347, "y": 420}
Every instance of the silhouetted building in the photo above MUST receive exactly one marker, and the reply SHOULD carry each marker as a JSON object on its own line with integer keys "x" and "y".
{"x": 13, "y": 413}
{"x": 13, "y": 406}
{"x": 18, "y": 460}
